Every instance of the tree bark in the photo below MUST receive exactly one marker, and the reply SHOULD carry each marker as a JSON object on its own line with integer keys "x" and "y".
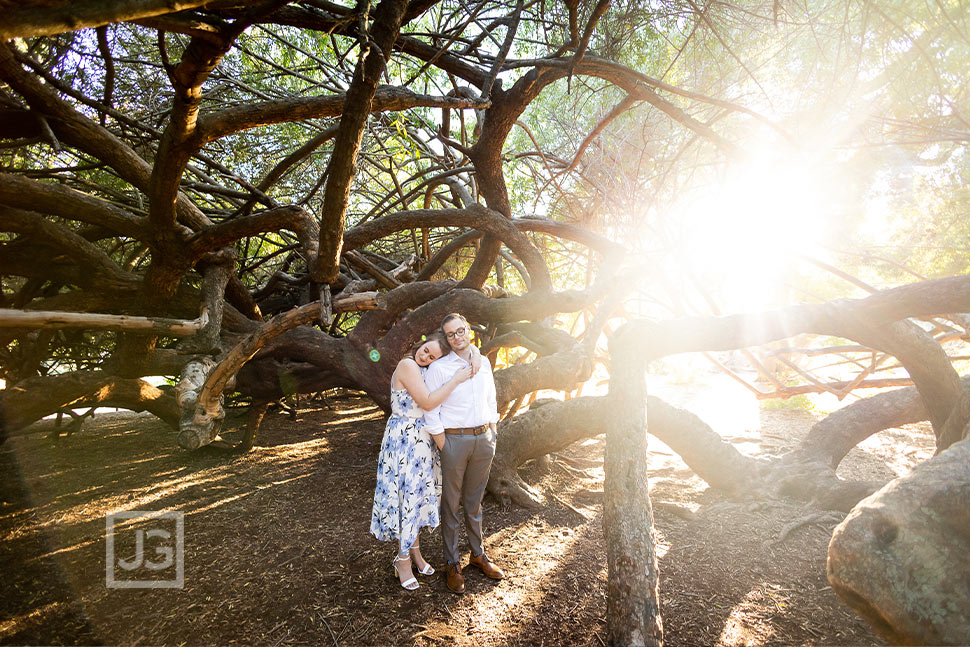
{"x": 900, "y": 557}
{"x": 475, "y": 216}
{"x": 52, "y": 320}
{"x": 711, "y": 457}
{"x": 202, "y": 415}
{"x": 539, "y": 431}
{"x": 32, "y": 18}
{"x": 831, "y": 438}
{"x": 34, "y": 398}
{"x": 340, "y": 170}
{"x": 632, "y": 594}
{"x": 253, "y": 115}
{"x": 925, "y": 298}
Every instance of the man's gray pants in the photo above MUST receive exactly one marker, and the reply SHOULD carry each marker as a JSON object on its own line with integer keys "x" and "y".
{"x": 465, "y": 462}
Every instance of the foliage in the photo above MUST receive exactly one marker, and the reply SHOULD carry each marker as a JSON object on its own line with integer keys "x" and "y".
{"x": 800, "y": 401}
{"x": 867, "y": 99}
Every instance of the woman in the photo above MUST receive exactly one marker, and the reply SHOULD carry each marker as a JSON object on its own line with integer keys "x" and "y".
{"x": 409, "y": 470}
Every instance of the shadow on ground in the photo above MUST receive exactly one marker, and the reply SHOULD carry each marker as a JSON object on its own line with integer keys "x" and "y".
{"x": 276, "y": 549}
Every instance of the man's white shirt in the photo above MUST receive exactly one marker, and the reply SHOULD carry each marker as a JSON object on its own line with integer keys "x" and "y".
{"x": 471, "y": 404}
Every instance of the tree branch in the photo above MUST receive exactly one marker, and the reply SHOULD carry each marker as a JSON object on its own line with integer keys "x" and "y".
{"x": 476, "y": 217}
{"x": 30, "y": 18}
{"x": 340, "y": 170}
{"x": 92, "y": 321}
{"x": 385, "y": 99}
{"x": 290, "y": 217}
{"x": 84, "y": 253}
{"x": 64, "y": 202}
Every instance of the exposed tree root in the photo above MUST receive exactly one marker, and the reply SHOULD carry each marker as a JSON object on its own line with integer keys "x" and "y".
{"x": 818, "y": 517}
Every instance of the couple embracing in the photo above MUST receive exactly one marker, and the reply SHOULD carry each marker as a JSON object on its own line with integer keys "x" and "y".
{"x": 436, "y": 453}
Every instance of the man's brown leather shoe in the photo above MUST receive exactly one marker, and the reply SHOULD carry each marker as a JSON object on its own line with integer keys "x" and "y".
{"x": 456, "y": 583}
{"x": 487, "y": 567}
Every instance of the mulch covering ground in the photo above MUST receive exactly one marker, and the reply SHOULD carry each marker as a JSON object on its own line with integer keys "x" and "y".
{"x": 277, "y": 550}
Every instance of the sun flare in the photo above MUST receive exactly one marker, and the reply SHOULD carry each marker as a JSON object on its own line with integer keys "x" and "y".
{"x": 741, "y": 235}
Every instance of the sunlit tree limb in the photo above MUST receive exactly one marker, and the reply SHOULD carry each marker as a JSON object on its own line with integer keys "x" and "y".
{"x": 31, "y": 18}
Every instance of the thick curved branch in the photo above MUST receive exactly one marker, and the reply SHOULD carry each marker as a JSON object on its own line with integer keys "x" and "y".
{"x": 561, "y": 371}
{"x": 84, "y": 253}
{"x": 62, "y": 201}
{"x": 926, "y": 298}
{"x": 566, "y": 231}
{"x": 211, "y": 27}
{"x": 478, "y": 307}
{"x": 443, "y": 60}
{"x": 206, "y": 411}
{"x": 374, "y": 324}
{"x": 611, "y": 251}
{"x": 476, "y": 217}
{"x": 926, "y": 362}
{"x": 386, "y": 99}
{"x": 874, "y": 321}
{"x": 294, "y": 218}
{"x": 540, "y": 431}
{"x": 32, "y": 18}
{"x": 831, "y": 438}
{"x": 34, "y": 398}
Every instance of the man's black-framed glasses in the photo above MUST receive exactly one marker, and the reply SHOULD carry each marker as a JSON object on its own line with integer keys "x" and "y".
{"x": 458, "y": 333}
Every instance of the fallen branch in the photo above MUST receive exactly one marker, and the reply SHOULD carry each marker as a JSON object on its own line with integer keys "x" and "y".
{"x": 50, "y": 319}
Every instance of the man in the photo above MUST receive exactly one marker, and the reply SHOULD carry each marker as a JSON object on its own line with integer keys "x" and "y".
{"x": 464, "y": 429}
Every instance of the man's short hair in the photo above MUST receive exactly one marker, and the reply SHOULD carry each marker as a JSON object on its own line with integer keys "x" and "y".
{"x": 450, "y": 317}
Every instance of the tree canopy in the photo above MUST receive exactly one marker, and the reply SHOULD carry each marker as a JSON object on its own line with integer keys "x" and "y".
{"x": 280, "y": 197}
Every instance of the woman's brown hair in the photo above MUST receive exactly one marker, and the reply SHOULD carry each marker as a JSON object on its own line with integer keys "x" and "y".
{"x": 437, "y": 336}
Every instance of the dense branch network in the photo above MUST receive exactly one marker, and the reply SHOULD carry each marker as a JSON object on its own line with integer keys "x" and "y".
{"x": 276, "y": 197}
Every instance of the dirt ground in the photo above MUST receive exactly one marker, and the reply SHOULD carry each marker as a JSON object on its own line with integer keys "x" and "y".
{"x": 277, "y": 550}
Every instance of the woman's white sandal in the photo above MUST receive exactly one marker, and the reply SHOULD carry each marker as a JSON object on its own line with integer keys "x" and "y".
{"x": 411, "y": 583}
{"x": 428, "y": 568}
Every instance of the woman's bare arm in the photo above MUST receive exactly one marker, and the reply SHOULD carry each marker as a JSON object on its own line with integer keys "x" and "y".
{"x": 409, "y": 374}
{"x": 476, "y": 359}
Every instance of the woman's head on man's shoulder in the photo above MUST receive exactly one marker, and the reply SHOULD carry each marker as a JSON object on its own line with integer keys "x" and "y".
{"x": 429, "y": 348}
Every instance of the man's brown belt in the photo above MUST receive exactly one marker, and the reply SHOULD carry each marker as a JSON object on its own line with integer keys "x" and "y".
{"x": 467, "y": 431}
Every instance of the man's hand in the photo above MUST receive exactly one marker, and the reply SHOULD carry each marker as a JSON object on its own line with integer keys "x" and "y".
{"x": 439, "y": 440}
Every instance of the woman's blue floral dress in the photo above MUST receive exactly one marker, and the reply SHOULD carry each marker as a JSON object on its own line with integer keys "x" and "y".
{"x": 408, "y": 475}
